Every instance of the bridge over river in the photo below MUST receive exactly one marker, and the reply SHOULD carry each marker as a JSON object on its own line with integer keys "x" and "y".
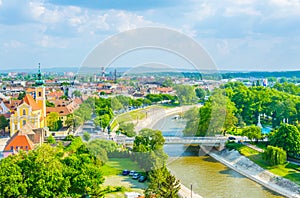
{"x": 218, "y": 142}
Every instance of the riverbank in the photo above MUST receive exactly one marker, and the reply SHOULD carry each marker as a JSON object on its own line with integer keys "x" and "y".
{"x": 154, "y": 115}
{"x": 234, "y": 160}
{"x": 185, "y": 192}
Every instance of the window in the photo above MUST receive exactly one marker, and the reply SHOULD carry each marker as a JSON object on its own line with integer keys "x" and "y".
{"x": 17, "y": 147}
{"x": 24, "y": 122}
{"x": 16, "y": 126}
{"x": 24, "y": 112}
{"x": 40, "y": 94}
{"x": 11, "y": 148}
{"x": 21, "y": 147}
{"x": 26, "y": 147}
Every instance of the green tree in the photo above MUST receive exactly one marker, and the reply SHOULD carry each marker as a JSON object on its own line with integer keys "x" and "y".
{"x": 124, "y": 100}
{"x": 154, "y": 97}
{"x": 86, "y": 136}
{"x": 3, "y": 122}
{"x": 11, "y": 178}
{"x": 186, "y": 94}
{"x": 53, "y": 121}
{"x": 287, "y": 137}
{"x": 43, "y": 173}
{"x": 252, "y": 132}
{"x": 162, "y": 184}
{"x": 200, "y": 93}
{"x": 49, "y": 104}
{"x": 148, "y": 149}
{"x": 168, "y": 83}
{"x": 217, "y": 115}
{"x": 101, "y": 149}
{"x": 275, "y": 155}
{"x": 51, "y": 140}
{"x": 192, "y": 117}
{"x": 127, "y": 129}
{"x": 76, "y": 94}
{"x": 148, "y": 140}
{"x": 21, "y": 95}
{"x": 70, "y": 120}
{"x": 115, "y": 104}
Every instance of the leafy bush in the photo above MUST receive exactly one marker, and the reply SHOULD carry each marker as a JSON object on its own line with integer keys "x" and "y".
{"x": 275, "y": 155}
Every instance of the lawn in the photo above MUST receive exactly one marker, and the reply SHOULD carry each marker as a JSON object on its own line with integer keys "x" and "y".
{"x": 115, "y": 166}
{"x": 134, "y": 115}
{"x": 287, "y": 170}
{"x": 112, "y": 173}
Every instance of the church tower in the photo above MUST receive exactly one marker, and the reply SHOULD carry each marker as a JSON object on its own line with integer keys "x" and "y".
{"x": 40, "y": 93}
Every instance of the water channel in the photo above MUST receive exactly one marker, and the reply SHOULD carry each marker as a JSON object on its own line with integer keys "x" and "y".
{"x": 208, "y": 177}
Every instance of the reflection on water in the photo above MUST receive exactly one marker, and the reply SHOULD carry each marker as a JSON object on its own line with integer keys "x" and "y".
{"x": 208, "y": 177}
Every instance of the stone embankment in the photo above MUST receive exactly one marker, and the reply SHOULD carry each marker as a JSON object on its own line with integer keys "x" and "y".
{"x": 234, "y": 160}
{"x": 154, "y": 115}
{"x": 185, "y": 192}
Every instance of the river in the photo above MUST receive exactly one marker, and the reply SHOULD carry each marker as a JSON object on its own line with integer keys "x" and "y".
{"x": 208, "y": 177}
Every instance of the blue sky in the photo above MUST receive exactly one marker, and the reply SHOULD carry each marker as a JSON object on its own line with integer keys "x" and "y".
{"x": 238, "y": 34}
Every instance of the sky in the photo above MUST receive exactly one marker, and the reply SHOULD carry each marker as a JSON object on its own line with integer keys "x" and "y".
{"x": 242, "y": 35}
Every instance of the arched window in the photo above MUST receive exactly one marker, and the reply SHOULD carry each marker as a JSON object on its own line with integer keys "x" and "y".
{"x": 40, "y": 94}
{"x": 24, "y": 122}
{"x": 24, "y": 112}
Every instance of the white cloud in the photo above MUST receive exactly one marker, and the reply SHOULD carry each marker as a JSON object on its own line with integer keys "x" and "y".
{"x": 0, "y": 2}
{"x": 201, "y": 11}
{"x": 236, "y": 11}
{"x": 13, "y": 44}
{"x": 52, "y": 42}
{"x": 285, "y": 8}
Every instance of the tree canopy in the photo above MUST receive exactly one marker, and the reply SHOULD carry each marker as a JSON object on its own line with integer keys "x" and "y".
{"x": 51, "y": 172}
{"x": 287, "y": 137}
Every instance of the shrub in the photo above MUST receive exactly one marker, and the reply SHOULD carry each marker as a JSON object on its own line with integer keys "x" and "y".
{"x": 275, "y": 155}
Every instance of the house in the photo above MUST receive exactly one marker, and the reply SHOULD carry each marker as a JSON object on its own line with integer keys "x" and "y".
{"x": 18, "y": 142}
{"x": 25, "y": 139}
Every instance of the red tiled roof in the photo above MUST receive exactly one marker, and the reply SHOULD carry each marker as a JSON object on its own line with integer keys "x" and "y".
{"x": 13, "y": 104}
{"x": 164, "y": 89}
{"x": 78, "y": 101}
{"x": 30, "y": 90}
{"x": 56, "y": 94}
{"x": 62, "y": 111}
{"x": 19, "y": 140}
{"x": 28, "y": 99}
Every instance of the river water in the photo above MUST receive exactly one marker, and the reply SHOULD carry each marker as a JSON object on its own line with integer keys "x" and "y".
{"x": 206, "y": 176}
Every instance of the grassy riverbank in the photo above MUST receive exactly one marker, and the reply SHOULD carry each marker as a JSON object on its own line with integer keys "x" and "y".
{"x": 288, "y": 170}
{"x": 135, "y": 115}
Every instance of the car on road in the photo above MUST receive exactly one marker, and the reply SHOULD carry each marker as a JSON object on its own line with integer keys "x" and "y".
{"x": 125, "y": 172}
{"x": 142, "y": 178}
{"x": 231, "y": 138}
{"x": 131, "y": 173}
{"x": 136, "y": 176}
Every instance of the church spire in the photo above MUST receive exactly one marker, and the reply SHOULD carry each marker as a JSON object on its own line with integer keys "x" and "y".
{"x": 39, "y": 81}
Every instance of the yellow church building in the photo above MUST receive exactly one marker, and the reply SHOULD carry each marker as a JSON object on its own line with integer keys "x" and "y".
{"x": 31, "y": 110}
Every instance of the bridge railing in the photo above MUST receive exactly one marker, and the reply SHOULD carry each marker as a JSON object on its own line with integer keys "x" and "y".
{"x": 183, "y": 140}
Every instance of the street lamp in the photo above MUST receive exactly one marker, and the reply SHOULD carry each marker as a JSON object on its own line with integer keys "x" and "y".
{"x": 191, "y": 190}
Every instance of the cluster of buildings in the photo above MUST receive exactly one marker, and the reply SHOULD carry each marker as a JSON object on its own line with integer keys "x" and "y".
{"x": 28, "y": 114}
{"x": 28, "y": 103}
